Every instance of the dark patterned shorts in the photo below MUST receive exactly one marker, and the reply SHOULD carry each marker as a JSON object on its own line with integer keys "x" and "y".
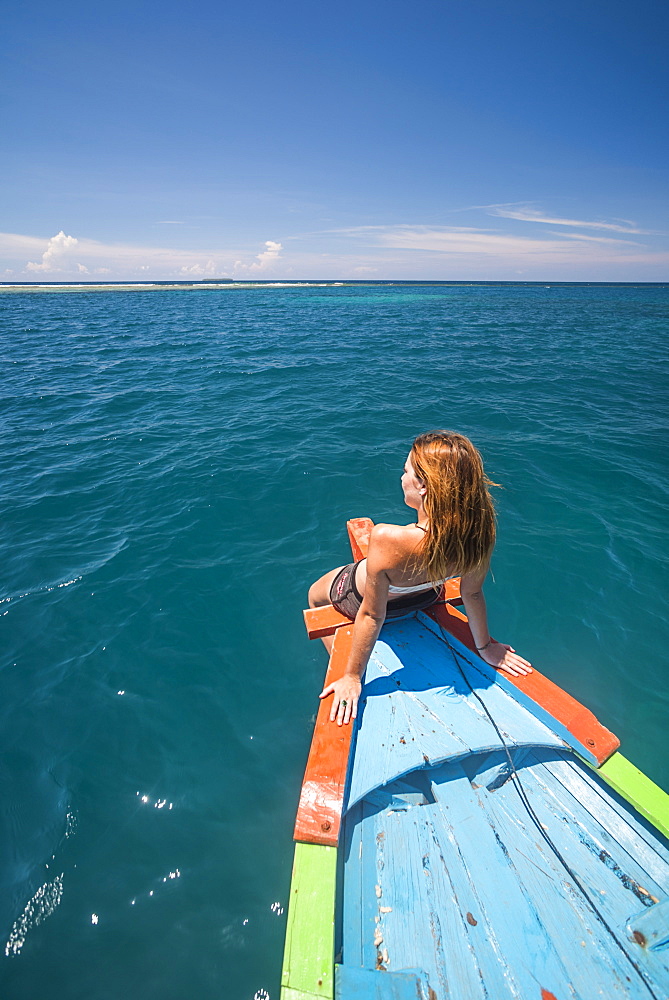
{"x": 346, "y": 597}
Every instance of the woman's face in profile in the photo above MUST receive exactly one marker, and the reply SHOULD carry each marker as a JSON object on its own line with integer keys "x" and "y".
{"x": 412, "y": 487}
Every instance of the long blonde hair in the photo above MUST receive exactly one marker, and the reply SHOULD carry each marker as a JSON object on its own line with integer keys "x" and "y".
{"x": 461, "y": 531}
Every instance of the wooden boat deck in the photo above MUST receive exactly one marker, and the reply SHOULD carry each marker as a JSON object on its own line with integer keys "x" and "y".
{"x": 448, "y": 876}
{"x": 459, "y": 884}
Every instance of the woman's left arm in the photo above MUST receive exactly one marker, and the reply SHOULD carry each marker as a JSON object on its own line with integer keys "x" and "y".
{"x": 368, "y": 621}
{"x": 497, "y": 654}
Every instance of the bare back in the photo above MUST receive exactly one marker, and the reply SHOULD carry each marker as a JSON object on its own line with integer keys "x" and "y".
{"x": 393, "y": 550}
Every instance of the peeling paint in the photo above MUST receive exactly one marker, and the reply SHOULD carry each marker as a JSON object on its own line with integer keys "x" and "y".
{"x": 630, "y": 883}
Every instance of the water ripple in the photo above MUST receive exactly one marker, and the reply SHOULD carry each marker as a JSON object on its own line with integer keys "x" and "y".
{"x": 176, "y": 469}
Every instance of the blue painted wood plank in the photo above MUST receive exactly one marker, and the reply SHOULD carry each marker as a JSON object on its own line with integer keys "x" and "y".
{"x": 614, "y": 814}
{"x": 421, "y": 914}
{"x": 570, "y": 923}
{"x": 653, "y": 926}
{"x": 519, "y": 935}
{"x": 612, "y": 873}
{"x": 649, "y": 934}
{"x": 492, "y": 676}
{"x": 360, "y": 900}
{"x": 557, "y": 896}
{"x": 355, "y": 890}
{"x": 370, "y": 880}
{"x": 366, "y": 984}
{"x": 418, "y": 711}
{"x": 608, "y": 850}
{"x": 428, "y": 884}
{"x": 610, "y": 855}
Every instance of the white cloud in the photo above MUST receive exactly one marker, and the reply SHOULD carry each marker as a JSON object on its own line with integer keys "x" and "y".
{"x": 525, "y": 213}
{"x": 69, "y": 256}
{"x": 469, "y": 253}
{"x": 462, "y": 243}
{"x": 498, "y": 252}
{"x": 264, "y": 261}
{"x": 273, "y": 250}
{"x": 583, "y": 237}
{"x": 198, "y": 270}
{"x": 55, "y": 257}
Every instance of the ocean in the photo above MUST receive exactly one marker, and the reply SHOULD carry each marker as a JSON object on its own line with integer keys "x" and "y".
{"x": 178, "y": 465}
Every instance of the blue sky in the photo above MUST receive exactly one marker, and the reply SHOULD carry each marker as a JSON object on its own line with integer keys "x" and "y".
{"x": 436, "y": 139}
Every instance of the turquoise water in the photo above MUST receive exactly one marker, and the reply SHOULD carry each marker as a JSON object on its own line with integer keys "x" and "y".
{"x": 177, "y": 467}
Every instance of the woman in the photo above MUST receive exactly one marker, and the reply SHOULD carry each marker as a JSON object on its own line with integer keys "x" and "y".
{"x": 453, "y": 535}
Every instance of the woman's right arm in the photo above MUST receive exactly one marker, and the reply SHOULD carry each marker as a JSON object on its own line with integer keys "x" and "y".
{"x": 368, "y": 621}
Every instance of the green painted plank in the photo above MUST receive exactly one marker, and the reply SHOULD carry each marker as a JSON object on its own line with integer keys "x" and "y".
{"x": 308, "y": 958}
{"x": 288, "y": 994}
{"x": 646, "y": 797}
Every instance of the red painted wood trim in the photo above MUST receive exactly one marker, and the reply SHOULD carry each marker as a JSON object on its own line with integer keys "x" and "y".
{"x": 319, "y": 812}
{"x": 454, "y": 622}
{"x": 323, "y": 621}
{"x": 574, "y": 716}
{"x": 359, "y": 530}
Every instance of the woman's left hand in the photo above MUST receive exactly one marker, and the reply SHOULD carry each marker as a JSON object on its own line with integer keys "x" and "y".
{"x": 504, "y": 657}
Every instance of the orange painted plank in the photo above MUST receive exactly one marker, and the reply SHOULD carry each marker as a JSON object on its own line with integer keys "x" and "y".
{"x": 319, "y": 811}
{"x": 323, "y": 621}
{"x": 454, "y": 622}
{"x": 574, "y": 716}
{"x": 359, "y": 530}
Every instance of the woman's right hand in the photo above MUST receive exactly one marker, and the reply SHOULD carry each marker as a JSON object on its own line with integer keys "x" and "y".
{"x": 345, "y": 697}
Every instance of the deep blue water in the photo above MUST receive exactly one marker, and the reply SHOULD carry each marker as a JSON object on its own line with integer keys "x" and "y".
{"x": 177, "y": 466}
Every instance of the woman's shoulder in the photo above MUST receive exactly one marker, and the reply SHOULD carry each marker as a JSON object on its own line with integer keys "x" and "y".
{"x": 396, "y": 538}
{"x": 383, "y": 530}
